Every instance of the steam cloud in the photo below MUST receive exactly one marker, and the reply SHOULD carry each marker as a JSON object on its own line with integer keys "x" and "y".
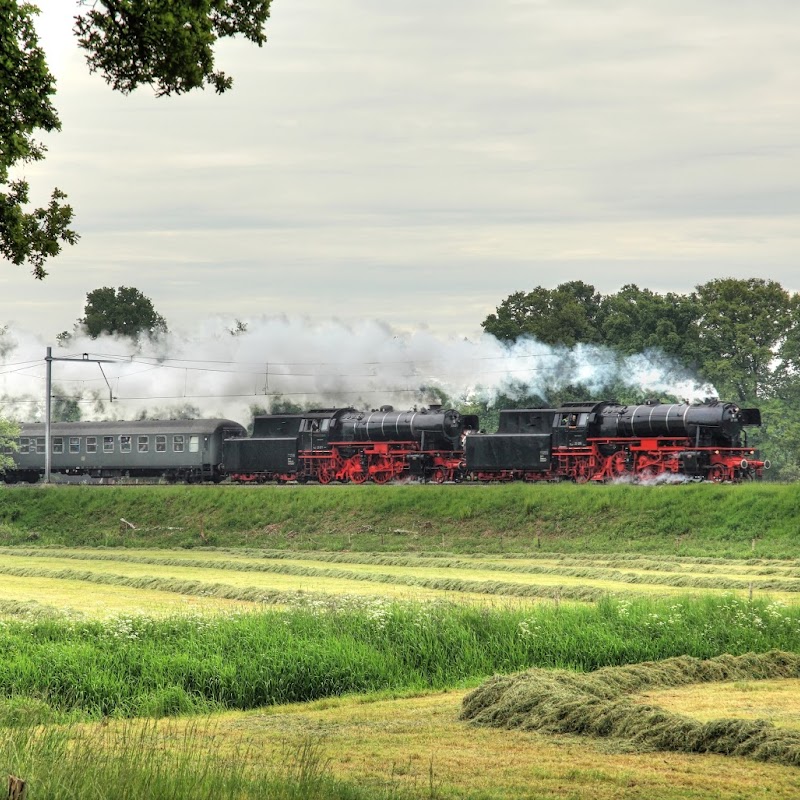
{"x": 214, "y": 373}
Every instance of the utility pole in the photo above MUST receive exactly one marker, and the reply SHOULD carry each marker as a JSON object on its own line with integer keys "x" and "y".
{"x": 49, "y": 359}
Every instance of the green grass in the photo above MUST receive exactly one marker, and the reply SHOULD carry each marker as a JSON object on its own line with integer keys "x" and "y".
{"x": 146, "y": 667}
{"x": 695, "y": 520}
{"x": 162, "y": 763}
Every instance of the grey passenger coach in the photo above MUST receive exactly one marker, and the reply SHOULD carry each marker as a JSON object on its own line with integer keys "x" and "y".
{"x": 176, "y": 450}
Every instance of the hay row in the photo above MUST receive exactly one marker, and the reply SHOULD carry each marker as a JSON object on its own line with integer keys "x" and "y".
{"x": 258, "y": 595}
{"x": 599, "y": 704}
{"x": 787, "y": 585}
{"x": 29, "y": 609}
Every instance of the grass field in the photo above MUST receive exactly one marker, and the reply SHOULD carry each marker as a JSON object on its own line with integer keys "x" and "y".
{"x": 328, "y": 638}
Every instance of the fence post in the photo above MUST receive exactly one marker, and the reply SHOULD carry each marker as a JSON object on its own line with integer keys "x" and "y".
{"x": 17, "y": 788}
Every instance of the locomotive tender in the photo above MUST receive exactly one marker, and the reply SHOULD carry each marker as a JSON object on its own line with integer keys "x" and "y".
{"x": 588, "y": 441}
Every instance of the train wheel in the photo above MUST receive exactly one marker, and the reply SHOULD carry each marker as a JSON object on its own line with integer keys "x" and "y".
{"x": 358, "y": 477}
{"x": 381, "y": 477}
{"x": 325, "y": 475}
{"x": 439, "y": 475}
{"x": 717, "y": 473}
{"x": 617, "y": 466}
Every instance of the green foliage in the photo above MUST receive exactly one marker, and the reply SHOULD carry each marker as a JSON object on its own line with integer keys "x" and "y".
{"x": 165, "y": 43}
{"x": 9, "y": 431}
{"x": 26, "y": 87}
{"x": 740, "y": 329}
{"x": 64, "y": 408}
{"x": 636, "y": 320}
{"x": 565, "y": 315}
{"x": 124, "y": 311}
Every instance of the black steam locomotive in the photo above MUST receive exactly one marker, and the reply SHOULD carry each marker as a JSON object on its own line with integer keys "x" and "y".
{"x": 591, "y": 441}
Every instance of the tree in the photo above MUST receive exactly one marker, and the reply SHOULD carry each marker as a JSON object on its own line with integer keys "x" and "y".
{"x": 565, "y": 315}
{"x": 124, "y": 311}
{"x": 636, "y": 320}
{"x": 741, "y": 328}
{"x": 26, "y": 87}
{"x": 9, "y": 431}
{"x": 167, "y": 44}
{"x": 65, "y": 408}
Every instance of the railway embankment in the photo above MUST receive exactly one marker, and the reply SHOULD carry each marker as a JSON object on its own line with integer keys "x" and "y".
{"x": 704, "y": 520}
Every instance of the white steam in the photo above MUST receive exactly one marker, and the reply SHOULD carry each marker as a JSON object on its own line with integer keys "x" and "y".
{"x": 214, "y": 373}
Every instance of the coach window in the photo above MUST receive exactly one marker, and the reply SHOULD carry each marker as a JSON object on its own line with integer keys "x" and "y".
{"x": 24, "y": 443}
{"x": 108, "y": 444}
{"x": 74, "y": 444}
{"x": 124, "y": 443}
{"x": 161, "y": 444}
{"x": 177, "y": 443}
{"x": 91, "y": 444}
{"x": 58, "y": 445}
{"x": 143, "y": 444}
{"x": 194, "y": 444}
{"x": 40, "y": 446}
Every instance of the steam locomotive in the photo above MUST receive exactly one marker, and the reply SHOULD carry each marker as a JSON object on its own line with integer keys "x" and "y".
{"x": 589, "y": 441}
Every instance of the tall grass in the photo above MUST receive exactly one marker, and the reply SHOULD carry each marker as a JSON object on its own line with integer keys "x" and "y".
{"x": 147, "y": 667}
{"x": 163, "y": 763}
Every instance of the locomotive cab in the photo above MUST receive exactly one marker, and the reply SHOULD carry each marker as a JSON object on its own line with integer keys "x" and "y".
{"x": 571, "y": 424}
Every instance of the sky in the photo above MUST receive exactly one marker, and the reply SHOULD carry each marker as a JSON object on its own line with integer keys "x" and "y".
{"x": 397, "y": 170}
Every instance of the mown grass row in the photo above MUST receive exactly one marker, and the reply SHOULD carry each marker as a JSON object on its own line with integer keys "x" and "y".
{"x": 780, "y": 583}
{"x": 146, "y": 667}
{"x": 275, "y": 597}
{"x": 604, "y": 703}
{"x": 504, "y": 561}
{"x": 700, "y": 520}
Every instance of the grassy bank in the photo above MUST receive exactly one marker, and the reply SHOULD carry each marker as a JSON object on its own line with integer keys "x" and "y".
{"x": 696, "y": 520}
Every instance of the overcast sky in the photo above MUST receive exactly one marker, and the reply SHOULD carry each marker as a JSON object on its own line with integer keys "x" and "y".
{"x": 416, "y": 162}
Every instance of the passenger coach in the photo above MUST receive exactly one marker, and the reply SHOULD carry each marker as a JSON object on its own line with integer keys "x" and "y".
{"x": 177, "y": 450}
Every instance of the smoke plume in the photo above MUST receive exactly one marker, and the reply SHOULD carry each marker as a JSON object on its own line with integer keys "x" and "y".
{"x": 224, "y": 369}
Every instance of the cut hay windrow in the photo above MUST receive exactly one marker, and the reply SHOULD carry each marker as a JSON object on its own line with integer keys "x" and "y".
{"x": 260, "y": 595}
{"x": 600, "y": 704}
{"x": 28, "y": 609}
{"x": 273, "y": 564}
{"x": 280, "y": 567}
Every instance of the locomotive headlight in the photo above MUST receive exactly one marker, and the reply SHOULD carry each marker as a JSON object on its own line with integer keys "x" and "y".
{"x": 716, "y": 452}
